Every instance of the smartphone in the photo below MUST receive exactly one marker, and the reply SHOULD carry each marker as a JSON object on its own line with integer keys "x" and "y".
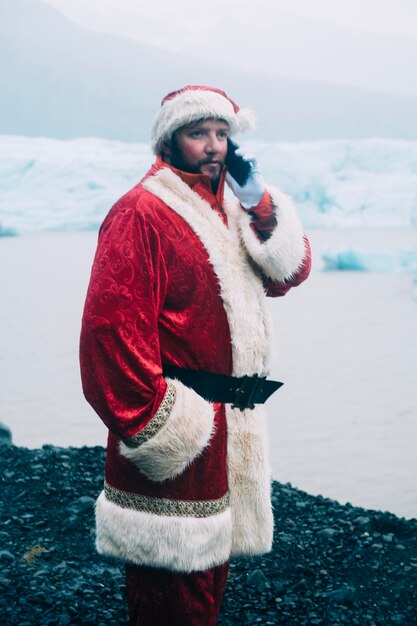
{"x": 238, "y": 168}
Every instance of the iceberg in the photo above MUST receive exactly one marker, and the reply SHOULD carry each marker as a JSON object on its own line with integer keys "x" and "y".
{"x": 7, "y": 232}
{"x": 363, "y": 183}
{"x": 414, "y": 292}
{"x": 389, "y": 261}
{"x": 58, "y": 185}
{"x": 55, "y": 185}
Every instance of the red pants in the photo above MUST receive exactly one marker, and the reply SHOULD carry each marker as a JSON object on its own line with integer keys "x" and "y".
{"x": 158, "y": 597}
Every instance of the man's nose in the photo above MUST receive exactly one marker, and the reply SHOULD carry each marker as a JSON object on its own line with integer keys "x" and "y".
{"x": 213, "y": 143}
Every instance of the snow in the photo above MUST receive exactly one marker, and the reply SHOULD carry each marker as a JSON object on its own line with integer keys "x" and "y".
{"x": 57, "y": 185}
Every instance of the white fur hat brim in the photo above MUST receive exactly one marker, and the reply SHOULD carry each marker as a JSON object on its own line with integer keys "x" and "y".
{"x": 191, "y": 105}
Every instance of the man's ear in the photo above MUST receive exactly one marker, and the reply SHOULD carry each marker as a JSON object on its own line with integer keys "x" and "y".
{"x": 166, "y": 151}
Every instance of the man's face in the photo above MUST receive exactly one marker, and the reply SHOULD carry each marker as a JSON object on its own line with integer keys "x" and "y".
{"x": 200, "y": 148}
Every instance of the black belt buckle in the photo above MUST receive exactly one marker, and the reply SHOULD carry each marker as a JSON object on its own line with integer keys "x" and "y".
{"x": 249, "y": 387}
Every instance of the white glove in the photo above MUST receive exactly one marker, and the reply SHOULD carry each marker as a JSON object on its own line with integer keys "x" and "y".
{"x": 254, "y": 188}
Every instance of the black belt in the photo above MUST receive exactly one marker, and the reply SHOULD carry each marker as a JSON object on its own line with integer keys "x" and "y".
{"x": 241, "y": 392}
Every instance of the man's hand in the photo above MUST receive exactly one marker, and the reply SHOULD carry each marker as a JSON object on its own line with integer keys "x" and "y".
{"x": 252, "y": 191}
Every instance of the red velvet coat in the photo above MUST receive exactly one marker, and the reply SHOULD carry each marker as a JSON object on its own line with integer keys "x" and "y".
{"x": 180, "y": 278}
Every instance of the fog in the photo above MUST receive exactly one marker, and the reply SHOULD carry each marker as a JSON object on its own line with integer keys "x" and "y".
{"x": 366, "y": 44}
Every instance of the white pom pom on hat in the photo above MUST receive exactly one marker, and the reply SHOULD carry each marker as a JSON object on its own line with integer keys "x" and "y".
{"x": 197, "y": 102}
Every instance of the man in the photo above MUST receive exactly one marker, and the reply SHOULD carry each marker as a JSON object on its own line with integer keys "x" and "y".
{"x": 174, "y": 347}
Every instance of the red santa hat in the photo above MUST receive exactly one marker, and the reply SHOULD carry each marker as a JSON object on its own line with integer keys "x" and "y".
{"x": 196, "y": 102}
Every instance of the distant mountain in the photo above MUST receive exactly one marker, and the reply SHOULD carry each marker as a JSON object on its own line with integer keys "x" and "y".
{"x": 60, "y": 80}
{"x": 269, "y": 35}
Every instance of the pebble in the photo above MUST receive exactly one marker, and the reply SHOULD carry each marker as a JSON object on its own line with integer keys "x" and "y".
{"x": 258, "y": 580}
{"x": 5, "y": 435}
{"x": 327, "y": 533}
{"x": 82, "y": 504}
{"x": 278, "y": 586}
{"x": 301, "y": 584}
{"x": 301, "y": 505}
{"x": 343, "y": 594}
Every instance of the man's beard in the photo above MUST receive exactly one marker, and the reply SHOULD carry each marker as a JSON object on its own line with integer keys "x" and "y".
{"x": 177, "y": 160}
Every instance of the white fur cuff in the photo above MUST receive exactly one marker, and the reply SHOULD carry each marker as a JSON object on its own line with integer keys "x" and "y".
{"x": 283, "y": 253}
{"x": 181, "y": 439}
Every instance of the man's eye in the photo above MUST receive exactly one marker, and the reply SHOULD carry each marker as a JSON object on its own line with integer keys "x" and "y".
{"x": 196, "y": 133}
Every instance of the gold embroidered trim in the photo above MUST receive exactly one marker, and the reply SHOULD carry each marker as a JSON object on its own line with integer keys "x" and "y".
{"x": 164, "y": 506}
{"x": 158, "y": 420}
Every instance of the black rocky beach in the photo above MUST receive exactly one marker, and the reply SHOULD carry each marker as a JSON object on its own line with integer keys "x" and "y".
{"x": 331, "y": 564}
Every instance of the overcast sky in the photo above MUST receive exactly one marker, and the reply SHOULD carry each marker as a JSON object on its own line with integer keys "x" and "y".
{"x": 366, "y": 43}
{"x": 378, "y": 16}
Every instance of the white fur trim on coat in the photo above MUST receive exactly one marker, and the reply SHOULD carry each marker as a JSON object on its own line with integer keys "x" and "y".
{"x": 182, "y": 544}
{"x": 241, "y": 289}
{"x": 180, "y": 440}
{"x": 249, "y": 480}
{"x": 191, "y": 105}
{"x": 280, "y": 256}
{"x": 244, "y": 300}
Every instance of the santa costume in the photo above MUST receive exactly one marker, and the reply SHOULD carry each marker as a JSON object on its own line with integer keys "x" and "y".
{"x": 179, "y": 283}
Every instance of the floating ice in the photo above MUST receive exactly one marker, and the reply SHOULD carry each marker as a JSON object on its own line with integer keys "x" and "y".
{"x": 7, "y": 232}
{"x": 414, "y": 292}
{"x": 391, "y": 261}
